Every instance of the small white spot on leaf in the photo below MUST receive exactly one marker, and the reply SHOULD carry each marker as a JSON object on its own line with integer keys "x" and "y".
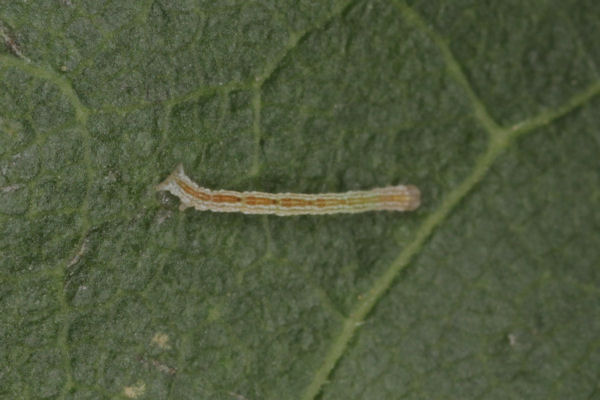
{"x": 161, "y": 340}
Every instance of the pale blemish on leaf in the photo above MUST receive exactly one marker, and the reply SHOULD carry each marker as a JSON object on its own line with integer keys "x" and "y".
{"x": 161, "y": 340}
{"x": 79, "y": 254}
{"x": 135, "y": 391}
{"x": 10, "y": 188}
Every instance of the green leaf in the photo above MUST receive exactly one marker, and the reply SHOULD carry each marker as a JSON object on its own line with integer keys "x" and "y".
{"x": 490, "y": 290}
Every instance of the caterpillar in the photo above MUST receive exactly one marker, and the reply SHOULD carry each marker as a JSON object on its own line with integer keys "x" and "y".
{"x": 392, "y": 198}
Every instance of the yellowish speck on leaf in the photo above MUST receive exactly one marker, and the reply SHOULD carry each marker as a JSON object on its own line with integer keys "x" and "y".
{"x": 135, "y": 391}
{"x": 161, "y": 340}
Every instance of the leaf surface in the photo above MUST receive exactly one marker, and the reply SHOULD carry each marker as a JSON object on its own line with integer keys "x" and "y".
{"x": 491, "y": 289}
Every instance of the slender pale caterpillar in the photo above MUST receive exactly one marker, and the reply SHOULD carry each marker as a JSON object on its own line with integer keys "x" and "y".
{"x": 393, "y": 198}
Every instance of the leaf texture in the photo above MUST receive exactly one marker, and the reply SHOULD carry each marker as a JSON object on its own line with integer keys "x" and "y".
{"x": 491, "y": 289}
